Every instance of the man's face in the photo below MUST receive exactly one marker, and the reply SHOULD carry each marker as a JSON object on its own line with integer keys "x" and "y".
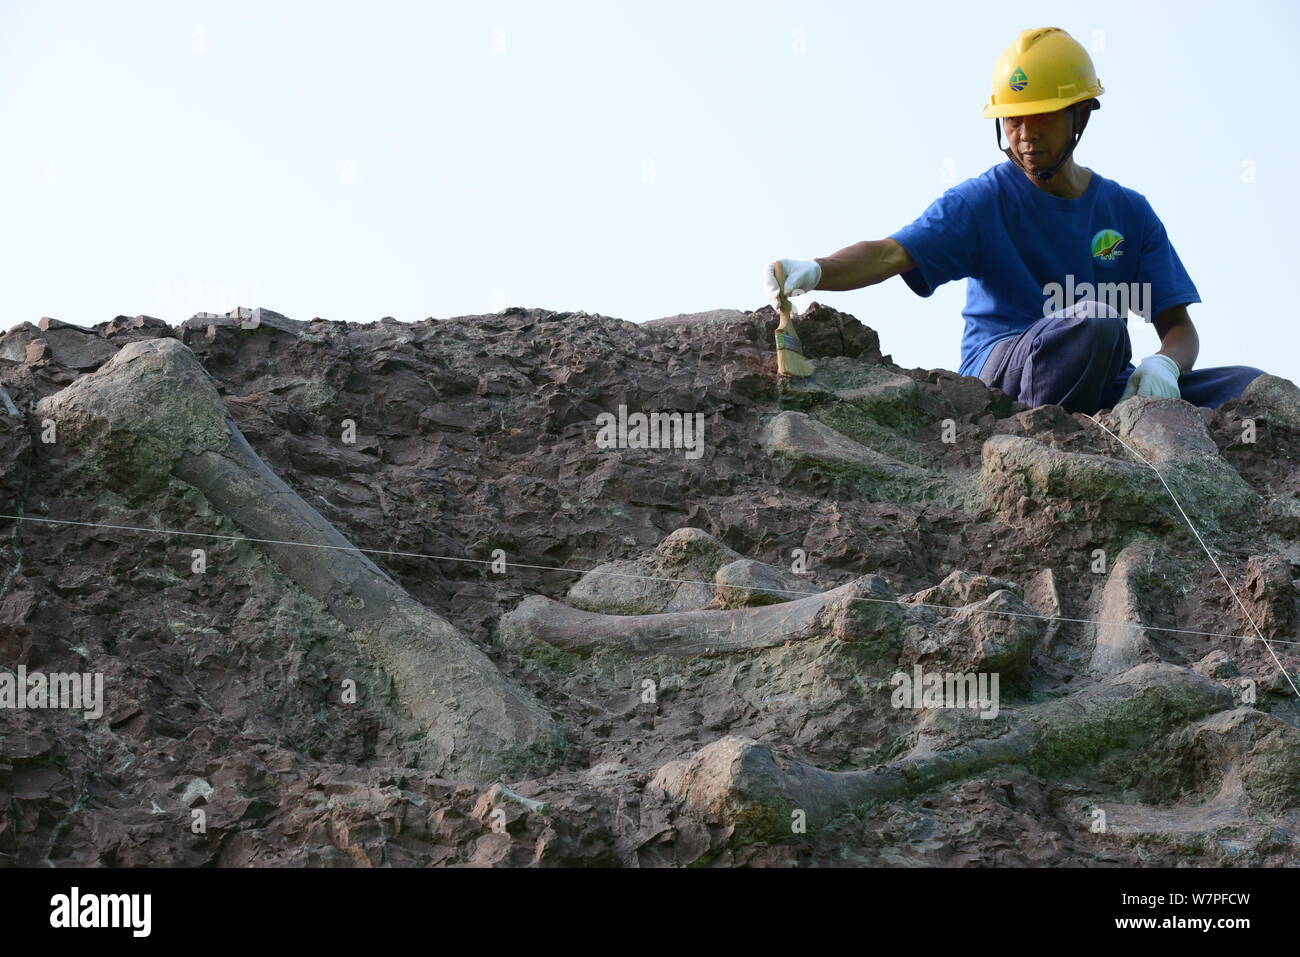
{"x": 1039, "y": 140}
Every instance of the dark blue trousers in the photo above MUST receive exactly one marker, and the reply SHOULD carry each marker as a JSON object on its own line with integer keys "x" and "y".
{"x": 1079, "y": 359}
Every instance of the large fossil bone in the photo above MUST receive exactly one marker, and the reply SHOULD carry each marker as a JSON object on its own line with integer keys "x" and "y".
{"x": 1145, "y": 433}
{"x": 152, "y": 413}
{"x": 737, "y": 780}
{"x": 1014, "y": 466}
{"x": 864, "y": 610}
{"x": 1171, "y": 435}
{"x": 1121, "y": 641}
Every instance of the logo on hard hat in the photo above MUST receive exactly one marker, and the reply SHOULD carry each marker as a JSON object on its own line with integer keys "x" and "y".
{"x": 1105, "y": 246}
{"x": 1018, "y": 80}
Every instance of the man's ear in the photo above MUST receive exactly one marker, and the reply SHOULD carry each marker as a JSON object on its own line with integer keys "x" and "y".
{"x": 1082, "y": 112}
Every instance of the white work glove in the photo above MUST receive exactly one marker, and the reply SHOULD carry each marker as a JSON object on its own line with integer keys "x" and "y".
{"x": 801, "y": 275}
{"x": 1156, "y": 375}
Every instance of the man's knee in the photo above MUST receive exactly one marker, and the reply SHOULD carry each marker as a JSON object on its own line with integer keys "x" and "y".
{"x": 1096, "y": 323}
{"x": 1090, "y": 309}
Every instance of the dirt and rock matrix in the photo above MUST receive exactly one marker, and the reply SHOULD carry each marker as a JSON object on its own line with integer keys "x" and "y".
{"x": 378, "y": 594}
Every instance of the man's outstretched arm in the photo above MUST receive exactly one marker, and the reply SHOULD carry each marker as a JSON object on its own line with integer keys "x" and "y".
{"x": 863, "y": 264}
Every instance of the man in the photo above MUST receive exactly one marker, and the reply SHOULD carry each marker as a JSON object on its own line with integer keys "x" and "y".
{"x": 1054, "y": 254}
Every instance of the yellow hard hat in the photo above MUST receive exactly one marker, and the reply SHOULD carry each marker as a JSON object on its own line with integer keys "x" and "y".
{"x": 1044, "y": 70}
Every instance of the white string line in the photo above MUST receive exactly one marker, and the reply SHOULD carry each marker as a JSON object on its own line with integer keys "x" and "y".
{"x": 650, "y": 578}
{"x": 1213, "y": 560}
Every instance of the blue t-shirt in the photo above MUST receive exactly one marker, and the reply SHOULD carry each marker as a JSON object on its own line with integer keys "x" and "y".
{"x": 1012, "y": 242}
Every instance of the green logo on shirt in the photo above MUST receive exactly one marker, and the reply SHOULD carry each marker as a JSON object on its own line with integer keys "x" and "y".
{"x": 1105, "y": 246}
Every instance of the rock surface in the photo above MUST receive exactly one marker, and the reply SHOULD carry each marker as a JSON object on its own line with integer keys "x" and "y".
{"x": 639, "y": 601}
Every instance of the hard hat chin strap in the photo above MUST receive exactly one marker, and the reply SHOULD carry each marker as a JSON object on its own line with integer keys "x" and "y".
{"x": 1069, "y": 150}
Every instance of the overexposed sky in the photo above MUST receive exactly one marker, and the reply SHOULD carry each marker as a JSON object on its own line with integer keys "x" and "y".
{"x": 354, "y": 160}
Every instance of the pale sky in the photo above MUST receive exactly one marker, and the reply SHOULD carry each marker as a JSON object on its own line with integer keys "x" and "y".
{"x": 637, "y": 159}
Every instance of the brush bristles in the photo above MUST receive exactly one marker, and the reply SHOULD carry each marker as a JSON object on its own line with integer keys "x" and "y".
{"x": 790, "y": 359}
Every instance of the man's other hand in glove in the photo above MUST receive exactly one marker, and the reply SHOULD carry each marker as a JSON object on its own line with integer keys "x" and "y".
{"x": 1156, "y": 375}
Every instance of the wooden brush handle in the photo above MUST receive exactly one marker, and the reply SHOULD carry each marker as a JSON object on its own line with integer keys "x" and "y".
{"x": 783, "y": 302}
